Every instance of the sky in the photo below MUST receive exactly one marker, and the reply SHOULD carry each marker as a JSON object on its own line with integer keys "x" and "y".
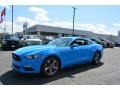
{"x": 98, "y": 19}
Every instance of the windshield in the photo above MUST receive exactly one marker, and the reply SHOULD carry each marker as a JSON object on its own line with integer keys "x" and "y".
{"x": 9, "y": 37}
{"x": 61, "y": 42}
{"x": 31, "y": 37}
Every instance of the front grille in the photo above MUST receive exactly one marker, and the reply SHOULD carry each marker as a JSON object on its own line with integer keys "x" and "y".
{"x": 16, "y": 57}
{"x": 13, "y": 42}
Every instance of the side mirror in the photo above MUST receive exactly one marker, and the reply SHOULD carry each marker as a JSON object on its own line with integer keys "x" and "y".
{"x": 74, "y": 45}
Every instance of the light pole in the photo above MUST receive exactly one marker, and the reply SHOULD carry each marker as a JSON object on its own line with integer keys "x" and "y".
{"x": 73, "y": 19}
{"x": 12, "y": 19}
{"x": 25, "y": 28}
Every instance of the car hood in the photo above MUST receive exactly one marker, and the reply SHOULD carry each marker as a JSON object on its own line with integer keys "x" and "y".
{"x": 10, "y": 39}
{"x": 32, "y": 49}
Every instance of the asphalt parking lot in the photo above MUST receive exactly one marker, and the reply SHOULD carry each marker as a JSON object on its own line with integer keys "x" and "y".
{"x": 107, "y": 73}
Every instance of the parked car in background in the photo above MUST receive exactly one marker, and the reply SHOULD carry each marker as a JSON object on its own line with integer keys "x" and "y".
{"x": 117, "y": 44}
{"x": 45, "y": 41}
{"x": 105, "y": 43}
{"x": 112, "y": 45}
{"x": 10, "y": 42}
{"x": 30, "y": 40}
{"x": 108, "y": 43}
{"x": 98, "y": 41}
{"x": 56, "y": 55}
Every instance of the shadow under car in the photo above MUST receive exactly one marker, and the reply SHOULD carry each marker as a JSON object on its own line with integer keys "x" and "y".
{"x": 13, "y": 78}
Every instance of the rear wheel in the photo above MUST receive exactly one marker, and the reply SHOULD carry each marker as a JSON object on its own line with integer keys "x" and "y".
{"x": 51, "y": 66}
{"x": 96, "y": 58}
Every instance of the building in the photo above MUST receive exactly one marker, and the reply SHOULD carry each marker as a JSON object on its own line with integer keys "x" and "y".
{"x": 118, "y": 33}
{"x": 50, "y": 32}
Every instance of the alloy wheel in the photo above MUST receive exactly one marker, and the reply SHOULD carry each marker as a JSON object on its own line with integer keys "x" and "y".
{"x": 97, "y": 58}
{"x": 51, "y": 66}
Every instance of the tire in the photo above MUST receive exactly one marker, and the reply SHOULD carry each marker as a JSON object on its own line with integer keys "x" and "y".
{"x": 96, "y": 58}
{"x": 50, "y": 66}
{"x": 112, "y": 46}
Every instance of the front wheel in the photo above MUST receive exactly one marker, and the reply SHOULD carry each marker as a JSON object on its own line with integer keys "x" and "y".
{"x": 96, "y": 58}
{"x": 51, "y": 66}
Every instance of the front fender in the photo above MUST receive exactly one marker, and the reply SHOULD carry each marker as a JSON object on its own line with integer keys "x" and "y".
{"x": 47, "y": 54}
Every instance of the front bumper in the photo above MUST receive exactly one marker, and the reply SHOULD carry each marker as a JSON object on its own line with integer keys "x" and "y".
{"x": 7, "y": 46}
{"x": 27, "y": 66}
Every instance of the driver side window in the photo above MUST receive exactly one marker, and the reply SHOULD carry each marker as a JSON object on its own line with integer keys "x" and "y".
{"x": 80, "y": 42}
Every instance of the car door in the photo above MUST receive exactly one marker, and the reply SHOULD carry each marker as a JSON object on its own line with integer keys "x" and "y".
{"x": 85, "y": 53}
{"x": 70, "y": 55}
{"x": 77, "y": 53}
{"x": 82, "y": 52}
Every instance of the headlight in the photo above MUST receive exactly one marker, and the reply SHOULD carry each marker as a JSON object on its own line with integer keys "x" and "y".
{"x": 30, "y": 57}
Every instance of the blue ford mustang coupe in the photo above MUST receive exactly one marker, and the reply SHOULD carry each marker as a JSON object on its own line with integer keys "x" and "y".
{"x": 58, "y": 54}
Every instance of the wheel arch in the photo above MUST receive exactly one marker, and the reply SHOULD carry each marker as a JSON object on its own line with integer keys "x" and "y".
{"x": 98, "y": 52}
{"x": 99, "y": 49}
{"x": 52, "y": 55}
